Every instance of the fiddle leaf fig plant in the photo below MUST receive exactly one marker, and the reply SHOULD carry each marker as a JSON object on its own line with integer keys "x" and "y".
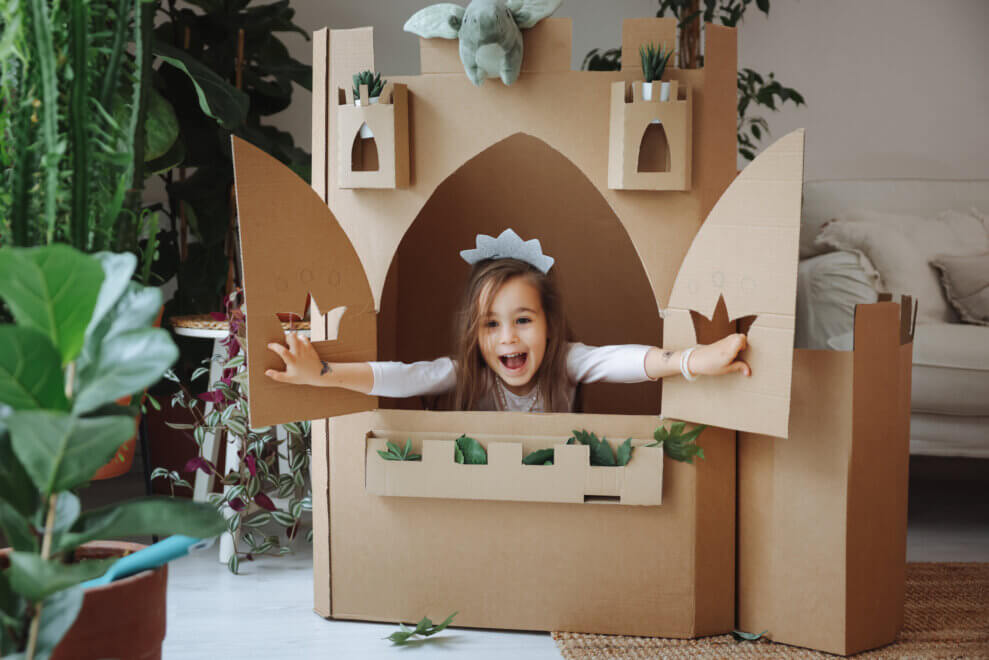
{"x": 80, "y": 340}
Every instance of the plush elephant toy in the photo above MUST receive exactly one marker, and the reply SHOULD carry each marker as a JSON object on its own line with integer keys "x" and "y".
{"x": 489, "y": 32}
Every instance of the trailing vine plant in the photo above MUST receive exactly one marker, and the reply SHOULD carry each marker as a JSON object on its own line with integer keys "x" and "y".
{"x": 257, "y": 496}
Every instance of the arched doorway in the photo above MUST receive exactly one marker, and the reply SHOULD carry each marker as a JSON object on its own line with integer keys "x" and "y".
{"x": 523, "y": 183}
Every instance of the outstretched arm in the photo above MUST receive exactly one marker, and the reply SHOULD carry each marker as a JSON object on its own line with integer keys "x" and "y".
{"x": 715, "y": 359}
{"x": 304, "y": 367}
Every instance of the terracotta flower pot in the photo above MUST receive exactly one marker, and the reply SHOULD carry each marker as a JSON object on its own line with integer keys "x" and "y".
{"x": 124, "y": 619}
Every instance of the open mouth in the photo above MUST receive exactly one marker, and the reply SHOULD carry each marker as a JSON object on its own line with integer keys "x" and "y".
{"x": 514, "y": 361}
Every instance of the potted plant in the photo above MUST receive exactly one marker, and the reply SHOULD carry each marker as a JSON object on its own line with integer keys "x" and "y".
{"x": 374, "y": 84}
{"x": 654, "y": 59}
{"x": 81, "y": 339}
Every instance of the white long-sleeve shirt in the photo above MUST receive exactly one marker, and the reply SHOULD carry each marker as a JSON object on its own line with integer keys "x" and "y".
{"x": 624, "y": 363}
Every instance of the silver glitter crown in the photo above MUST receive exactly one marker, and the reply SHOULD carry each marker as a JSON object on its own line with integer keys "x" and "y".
{"x": 508, "y": 245}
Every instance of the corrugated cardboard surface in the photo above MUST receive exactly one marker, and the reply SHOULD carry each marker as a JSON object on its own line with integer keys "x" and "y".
{"x": 745, "y": 253}
{"x": 594, "y": 567}
{"x": 291, "y": 246}
{"x": 822, "y": 515}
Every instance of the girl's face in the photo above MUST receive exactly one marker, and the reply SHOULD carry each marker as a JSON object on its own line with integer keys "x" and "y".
{"x": 513, "y": 334}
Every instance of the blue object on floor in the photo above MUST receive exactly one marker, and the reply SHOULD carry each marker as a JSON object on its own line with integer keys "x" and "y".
{"x": 150, "y": 557}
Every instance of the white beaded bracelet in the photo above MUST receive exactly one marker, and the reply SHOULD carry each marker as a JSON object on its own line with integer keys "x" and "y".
{"x": 684, "y": 369}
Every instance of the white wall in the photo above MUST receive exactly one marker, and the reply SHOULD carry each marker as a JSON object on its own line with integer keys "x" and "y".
{"x": 894, "y": 88}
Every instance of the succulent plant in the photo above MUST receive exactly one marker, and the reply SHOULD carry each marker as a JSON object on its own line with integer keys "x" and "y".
{"x": 373, "y": 81}
{"x": 654, "y": 59}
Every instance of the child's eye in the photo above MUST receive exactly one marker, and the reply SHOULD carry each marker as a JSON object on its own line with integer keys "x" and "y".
{"x": 490, "y": 324}
{"x": 523, "y": 319}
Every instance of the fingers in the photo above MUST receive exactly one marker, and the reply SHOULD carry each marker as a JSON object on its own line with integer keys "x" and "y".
{"x": 279, "y": 376}
{"x": 280, "y": 351}
{"x": 738, "y": 366}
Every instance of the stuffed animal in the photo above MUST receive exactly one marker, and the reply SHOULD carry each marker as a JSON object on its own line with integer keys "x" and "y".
{"x": 489, "y": 32}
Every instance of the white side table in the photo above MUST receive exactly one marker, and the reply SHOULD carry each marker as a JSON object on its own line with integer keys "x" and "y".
{"x": 203, "y": 484}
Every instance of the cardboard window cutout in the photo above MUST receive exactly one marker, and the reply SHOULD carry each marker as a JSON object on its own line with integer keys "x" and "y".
{"x": 654, "y": 149}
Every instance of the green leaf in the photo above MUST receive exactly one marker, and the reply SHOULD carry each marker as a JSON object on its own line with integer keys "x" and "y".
{"x": 162, "y": 516}
{"x": 425, "y": 628}
{"x": 117, "y": 272}
{"x": 259, "y": 519}
{"x": 161, "y": 126}
{"x": 678, "y": 445}
{"x": 408, "y": 448}
{"x": 52, "y": 290}
{"x": 36, "y": 579}
{"x": 747, "y": 637}
{"x": 282, "y": 518}
{"x": 60, "y": 451}
{"x": 30, "y": 370}
{"x": 539, "y": 457}
{"x": 16, "y": 487}
{"x": 67, "y": 509}
{"x": 458, "y": 455}
{"x": 625, "y": 452}
{"x": 17, "y": 529}
{"x": 58, "y": 614}
{"x": 171, "y": 158}
{"x": 217, "y": 98}
{"x": 233, "y": 563}
{"x": 601, "y": 453}
{"x": 470, "y": 451}
{"x": 127, "y": 363}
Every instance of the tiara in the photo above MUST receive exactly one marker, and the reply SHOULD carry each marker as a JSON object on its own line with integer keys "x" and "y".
{"x": 508, "y": 245}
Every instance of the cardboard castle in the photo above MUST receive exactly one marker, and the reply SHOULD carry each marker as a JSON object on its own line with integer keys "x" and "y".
{"x": 795, "y": 523}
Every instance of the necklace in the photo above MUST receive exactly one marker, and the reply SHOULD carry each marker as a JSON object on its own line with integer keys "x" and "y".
{"x": 528, "y": 402}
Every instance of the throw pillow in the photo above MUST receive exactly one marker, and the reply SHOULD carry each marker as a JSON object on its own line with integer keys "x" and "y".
{"x": 966, "y": 284}
{"x": 895, "y": 251}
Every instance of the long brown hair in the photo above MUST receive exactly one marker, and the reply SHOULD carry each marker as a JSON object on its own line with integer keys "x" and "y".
{"x": 474, "y": 378}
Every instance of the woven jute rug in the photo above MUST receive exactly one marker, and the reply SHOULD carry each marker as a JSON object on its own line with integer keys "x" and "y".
{"x": 946, "y": 616}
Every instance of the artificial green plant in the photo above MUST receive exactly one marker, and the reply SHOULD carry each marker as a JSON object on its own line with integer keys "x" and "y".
{"x": 654, "y": 59}
{"x": 373, "y": 81}
{"x": 80, "y": 341}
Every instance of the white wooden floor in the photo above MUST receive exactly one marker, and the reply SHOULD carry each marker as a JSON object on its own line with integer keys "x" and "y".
{"x": 267, "y": 611}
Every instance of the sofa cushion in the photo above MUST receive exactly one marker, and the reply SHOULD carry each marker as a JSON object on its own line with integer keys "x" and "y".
{"x": 897, "y": 249}
{"x": 966, "y": 285}
{"x": 951, "y": 369}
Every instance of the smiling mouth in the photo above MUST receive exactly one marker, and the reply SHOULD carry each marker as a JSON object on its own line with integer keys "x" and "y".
{"x": 514, "y": 361}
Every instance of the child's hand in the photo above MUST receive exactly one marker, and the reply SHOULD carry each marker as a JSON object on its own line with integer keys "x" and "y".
{"x": 302, "y": 363}
{"x": 719, "y": 358}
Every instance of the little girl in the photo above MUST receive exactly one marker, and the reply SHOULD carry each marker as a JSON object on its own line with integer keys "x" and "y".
{"x": 513, "y": 350}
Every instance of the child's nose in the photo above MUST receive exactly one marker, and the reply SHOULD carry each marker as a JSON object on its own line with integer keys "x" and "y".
{"x": 508, "y": 333}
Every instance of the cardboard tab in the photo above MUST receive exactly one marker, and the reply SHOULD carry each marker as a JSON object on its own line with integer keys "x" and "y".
{"x": 746, "y": 254}
{"x": 571, "y": 478}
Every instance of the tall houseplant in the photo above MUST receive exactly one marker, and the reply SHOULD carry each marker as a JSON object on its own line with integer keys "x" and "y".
{"x": 754, "y": 89}
{"x": 223, "y": 68}
{"x": 75, "y": 125}
{"x": 81, "y": 340}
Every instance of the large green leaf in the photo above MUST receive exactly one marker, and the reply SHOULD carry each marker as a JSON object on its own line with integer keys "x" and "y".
{"x": 217, "y": 97}
{"x": 127, "y": 363}
{"x": 11, "y": 609}
{"x": 60, "y": 451}
{"x": 468, "y": 450}
{"x": 53, "y": 290}
{"x": 36, "y": 579}
{"x": 58, "y": 614}
{"x": 16, "y": 487}
{"x": 30, "y": 370}
{"x": 161, "y": 126}
{"x": 17, "y": 529}
{"x": 117, "y": 272}
{"x": 153, "y": 515}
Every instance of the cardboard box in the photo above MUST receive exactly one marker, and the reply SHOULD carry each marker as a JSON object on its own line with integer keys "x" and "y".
{"x": 671, "y": 268}
{"x": 598, "y": 566}
{"x": 822, "y": 516}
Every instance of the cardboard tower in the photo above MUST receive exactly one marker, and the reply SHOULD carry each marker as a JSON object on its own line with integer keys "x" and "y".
{"x": 656, "y": 241}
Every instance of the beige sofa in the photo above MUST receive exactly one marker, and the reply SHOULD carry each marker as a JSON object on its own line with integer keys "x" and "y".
{"x": 950, "y": 397}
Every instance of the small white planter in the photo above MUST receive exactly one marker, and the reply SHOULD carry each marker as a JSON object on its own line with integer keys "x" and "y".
{"x": 365, "y": 131}
{"x": 664, "y": 91}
